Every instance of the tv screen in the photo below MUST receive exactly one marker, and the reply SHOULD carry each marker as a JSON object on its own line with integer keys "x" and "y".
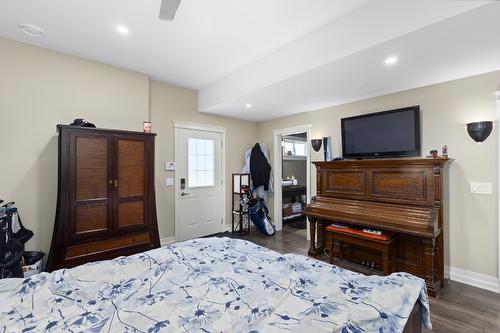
{"x": 383, "y": 134}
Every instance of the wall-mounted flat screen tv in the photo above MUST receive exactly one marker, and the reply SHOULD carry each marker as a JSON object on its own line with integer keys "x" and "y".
{"x": 393, "y": 133}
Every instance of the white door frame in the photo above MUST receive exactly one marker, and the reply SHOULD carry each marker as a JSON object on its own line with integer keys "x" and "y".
{"x": 278, "y": 175}
{"x": 205, "y": 128}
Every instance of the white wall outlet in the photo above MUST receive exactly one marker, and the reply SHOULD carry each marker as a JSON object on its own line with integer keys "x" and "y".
{"x": 481, "y": 188}
{"x": 169, "y": 181}
{"x": 169, "y": 166}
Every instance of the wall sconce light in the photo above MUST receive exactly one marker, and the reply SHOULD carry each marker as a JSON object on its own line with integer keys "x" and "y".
{"x": 480, "y": 131}
{"x": 316, "y": 144}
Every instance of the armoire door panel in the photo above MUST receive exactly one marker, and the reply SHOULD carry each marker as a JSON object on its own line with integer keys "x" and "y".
{"x": 131, "y": 160}
{"x": 130, "y": 213}
{"x": 91, "y": 168}
{"x": 91, "y": 214}
{"x": 91, "y": 218}
{"x": 131, "y": 163}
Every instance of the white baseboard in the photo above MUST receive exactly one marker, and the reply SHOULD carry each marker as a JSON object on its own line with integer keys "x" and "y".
{"x": 167, "y": 240}
{"x": 474, "y": 279}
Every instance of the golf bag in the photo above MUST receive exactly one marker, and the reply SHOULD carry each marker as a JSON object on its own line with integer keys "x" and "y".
{"x": 259, "y": 213}
{"x": 11, "y": 243}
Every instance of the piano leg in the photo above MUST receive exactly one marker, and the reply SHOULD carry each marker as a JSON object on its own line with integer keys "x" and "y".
{"x": 331, "y": 245}
{"x": 321, "y": 238}
{"x": 317, "y": 231}
{"x": 386, "y": 261}
{"x": 440, "y": 258}
{"x": 312, "y": 233}
{"x": 431, "y": 278}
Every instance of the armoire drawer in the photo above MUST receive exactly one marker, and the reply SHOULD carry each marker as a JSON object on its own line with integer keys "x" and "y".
{"x": 118, "y": 243}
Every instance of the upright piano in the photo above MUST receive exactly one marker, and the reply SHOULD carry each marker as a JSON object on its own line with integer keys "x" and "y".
{"x": 405, "y": 196}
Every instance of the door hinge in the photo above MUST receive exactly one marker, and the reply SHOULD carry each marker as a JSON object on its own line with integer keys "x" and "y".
{"x": 222, "y": 220}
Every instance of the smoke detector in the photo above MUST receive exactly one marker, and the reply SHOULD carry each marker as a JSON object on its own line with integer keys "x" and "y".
{"x": 31, "y": 30}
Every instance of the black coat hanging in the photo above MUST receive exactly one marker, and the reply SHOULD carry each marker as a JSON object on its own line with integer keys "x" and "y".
{"x": 260, "y": 169}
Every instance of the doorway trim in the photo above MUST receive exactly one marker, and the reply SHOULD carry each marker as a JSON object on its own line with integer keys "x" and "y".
{"x": 205, "y": 128}
{"x": 278, "y": 175}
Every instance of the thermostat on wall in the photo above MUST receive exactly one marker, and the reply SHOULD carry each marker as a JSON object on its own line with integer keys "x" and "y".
{"x": 169, "y": 166}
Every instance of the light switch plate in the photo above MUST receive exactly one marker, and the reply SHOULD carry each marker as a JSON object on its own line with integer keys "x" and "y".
{"x": 169, "y": 181}
{"x": 169, "y": 166}
{"x": 481, "y": 188}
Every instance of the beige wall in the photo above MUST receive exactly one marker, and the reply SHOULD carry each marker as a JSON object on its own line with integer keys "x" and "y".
{"x": 295, "y": 168}
{"x": 446, "y": 108}
{"x": 41, "y": 88}
{"x": 169, "y": 104}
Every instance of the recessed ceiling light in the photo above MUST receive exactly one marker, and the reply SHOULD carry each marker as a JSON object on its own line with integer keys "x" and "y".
{"x": 31, "y": 30}
{"x": 391, "y": 60}
{"x": 248, "y": 106}
{"x": 123, "y": 30}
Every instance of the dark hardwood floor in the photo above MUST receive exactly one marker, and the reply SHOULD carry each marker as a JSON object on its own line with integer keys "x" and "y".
{"x": 459, "y": 307}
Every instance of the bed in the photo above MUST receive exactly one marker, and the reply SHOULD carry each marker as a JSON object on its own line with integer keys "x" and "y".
{"x": 212, "y": 285}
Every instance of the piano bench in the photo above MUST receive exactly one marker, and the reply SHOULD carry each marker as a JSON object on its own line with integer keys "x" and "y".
{"x": 381, "y": 243}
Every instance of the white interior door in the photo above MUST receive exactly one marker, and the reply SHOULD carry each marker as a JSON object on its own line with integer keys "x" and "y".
{"x": 198, "y": 184}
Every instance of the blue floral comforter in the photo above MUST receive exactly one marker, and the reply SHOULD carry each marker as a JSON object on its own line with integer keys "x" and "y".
{"x": 210, "y": 285}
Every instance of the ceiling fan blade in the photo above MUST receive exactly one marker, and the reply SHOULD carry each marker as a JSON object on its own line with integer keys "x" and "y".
{"x": 168, "y": 9}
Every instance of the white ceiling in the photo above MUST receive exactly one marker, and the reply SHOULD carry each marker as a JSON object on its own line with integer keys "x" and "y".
{"x": 208, "y": 39}
{"x": 282, "y": 56}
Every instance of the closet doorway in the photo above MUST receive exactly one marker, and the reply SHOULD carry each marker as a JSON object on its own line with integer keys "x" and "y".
{"x": 292, "y": 174}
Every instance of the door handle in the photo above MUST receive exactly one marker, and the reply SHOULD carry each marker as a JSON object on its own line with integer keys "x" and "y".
{"x": 184, "y": 193}
{"x": 116, "y": 183}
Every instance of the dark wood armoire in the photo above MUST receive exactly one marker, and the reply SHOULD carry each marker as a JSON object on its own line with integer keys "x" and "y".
{"x": 106, "y": 196}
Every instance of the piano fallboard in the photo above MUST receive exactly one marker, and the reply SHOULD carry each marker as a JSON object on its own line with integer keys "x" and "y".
{"x": 411, "y": 220}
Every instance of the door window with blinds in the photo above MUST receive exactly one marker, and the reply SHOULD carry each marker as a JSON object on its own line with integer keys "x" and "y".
{"x": 200, "y": 162}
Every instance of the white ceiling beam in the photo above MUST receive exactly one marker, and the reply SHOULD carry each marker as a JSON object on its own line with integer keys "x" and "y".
{"x": 372, "y": 24}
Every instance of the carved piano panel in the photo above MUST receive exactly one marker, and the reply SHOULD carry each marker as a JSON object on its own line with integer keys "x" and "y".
{"x": 378, "y": 182}
{"x": 403, "y": 196}
{"x": 344, "y": 182}
{"x": 397, "y": 184}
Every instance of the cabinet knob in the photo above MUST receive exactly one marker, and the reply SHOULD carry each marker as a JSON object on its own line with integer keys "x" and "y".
{"x": 116, "y": 183}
